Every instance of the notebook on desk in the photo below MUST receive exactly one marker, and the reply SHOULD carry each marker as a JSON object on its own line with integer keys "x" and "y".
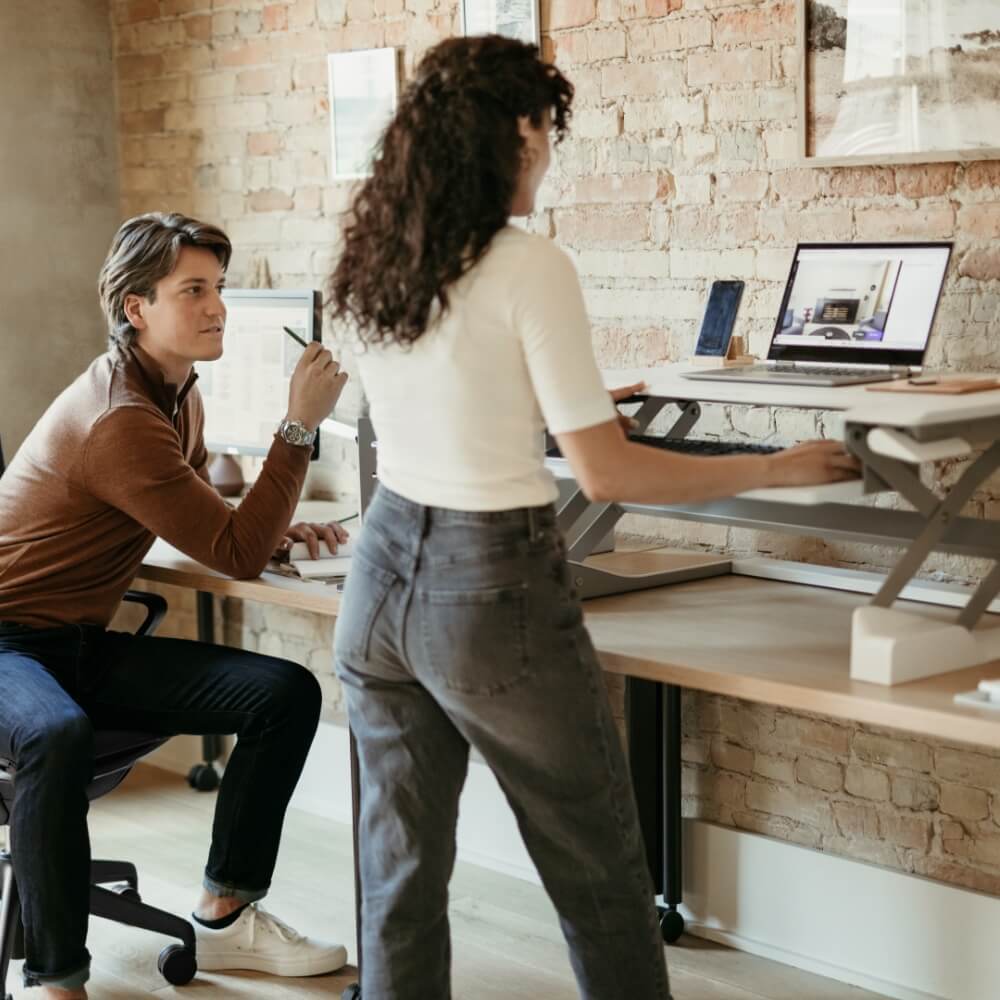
{"x": 297, "y": 562}
{"x": 851, "y": 313}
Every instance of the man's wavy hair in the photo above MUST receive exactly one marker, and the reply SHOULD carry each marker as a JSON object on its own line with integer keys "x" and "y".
{"x": 443, "y": 181}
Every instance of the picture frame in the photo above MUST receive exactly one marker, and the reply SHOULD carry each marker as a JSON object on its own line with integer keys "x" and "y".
{"x": 512, "y": 18}
{"x": 364, "y": 90}
{"x": 901, "y": 81}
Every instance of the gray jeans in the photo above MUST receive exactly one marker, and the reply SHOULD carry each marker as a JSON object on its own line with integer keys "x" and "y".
{"x": 457, "y": 629}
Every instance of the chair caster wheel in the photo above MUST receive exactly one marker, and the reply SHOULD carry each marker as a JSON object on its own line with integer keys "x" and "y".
{"x": 177, "y": 964}
{"x": 203, "y": 778}
{"x": 126, "y": 891}
{"x": 353, "y": 992}
{"x": 671, "y": 925}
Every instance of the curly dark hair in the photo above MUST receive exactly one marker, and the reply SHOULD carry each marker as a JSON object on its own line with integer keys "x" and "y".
{"x": 444, "y": 178}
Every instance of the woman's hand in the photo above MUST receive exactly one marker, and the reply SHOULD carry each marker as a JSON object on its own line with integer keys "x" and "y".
{"x": 628, "y": 424}
{"x": 812, "y": 463}
{"x": 332, "y": 533}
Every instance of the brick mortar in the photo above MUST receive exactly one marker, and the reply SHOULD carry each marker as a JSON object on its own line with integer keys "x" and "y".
{"x": 681, "y": 169}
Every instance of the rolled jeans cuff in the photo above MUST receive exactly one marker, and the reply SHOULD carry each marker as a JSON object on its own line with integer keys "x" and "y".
{"x": 224, "y": 889}
{"x": 63, "y": 980}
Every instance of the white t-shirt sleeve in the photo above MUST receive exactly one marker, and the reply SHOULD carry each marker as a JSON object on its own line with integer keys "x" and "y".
{"x": 550, "y": 318}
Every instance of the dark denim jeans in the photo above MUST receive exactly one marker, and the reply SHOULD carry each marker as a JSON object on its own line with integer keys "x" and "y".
{"x": 57, "y": 685}
{"x": 461, "y": 629}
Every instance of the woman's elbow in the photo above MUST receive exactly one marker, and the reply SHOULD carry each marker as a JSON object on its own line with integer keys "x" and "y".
{"x": 597, "y": 488}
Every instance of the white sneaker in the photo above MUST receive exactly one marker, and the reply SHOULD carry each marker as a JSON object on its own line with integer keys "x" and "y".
{"x": 259, "y": 941}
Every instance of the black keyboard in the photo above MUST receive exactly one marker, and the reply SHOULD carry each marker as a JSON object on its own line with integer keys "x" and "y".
{"x": 692, "y": 446}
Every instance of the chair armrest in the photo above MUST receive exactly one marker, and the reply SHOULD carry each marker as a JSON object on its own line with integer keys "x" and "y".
{"x": 156, "y": 608}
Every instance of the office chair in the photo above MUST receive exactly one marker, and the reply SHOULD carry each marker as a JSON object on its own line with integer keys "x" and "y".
{"x": 114, "y": 891}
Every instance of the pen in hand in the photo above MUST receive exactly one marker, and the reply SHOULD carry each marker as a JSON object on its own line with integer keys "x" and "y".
{"x": 294, "y": 336}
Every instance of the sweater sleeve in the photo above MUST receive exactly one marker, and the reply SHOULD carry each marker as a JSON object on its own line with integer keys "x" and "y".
{"x": 134, "y": 462}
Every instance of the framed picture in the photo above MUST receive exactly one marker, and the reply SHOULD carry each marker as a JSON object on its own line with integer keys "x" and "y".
{"x": 512, "y": 18}
{"x": 364, "y": 88}
{"x": 898, "y": 81}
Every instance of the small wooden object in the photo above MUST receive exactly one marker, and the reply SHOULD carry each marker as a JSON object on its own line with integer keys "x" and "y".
{"x": 734, "y": 357}
{"x": 944, "y": 386}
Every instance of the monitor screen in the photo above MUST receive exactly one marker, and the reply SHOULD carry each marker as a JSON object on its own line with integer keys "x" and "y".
{"x": 246, "y": 390}
{"x": 846, "y": 300}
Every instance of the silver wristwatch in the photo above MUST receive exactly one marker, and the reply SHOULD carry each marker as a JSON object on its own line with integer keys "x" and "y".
{"x": 296, "y": 432}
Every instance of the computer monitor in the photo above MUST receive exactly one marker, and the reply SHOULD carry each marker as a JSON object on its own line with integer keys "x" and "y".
{"x": 868, "y": 303}
{"x": 246, "y": 390}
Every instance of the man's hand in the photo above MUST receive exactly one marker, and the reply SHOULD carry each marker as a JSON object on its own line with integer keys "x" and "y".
{"x": 315, "y": 387}
{"x": 332, "y": 533}
{"x": 628, "y": 424}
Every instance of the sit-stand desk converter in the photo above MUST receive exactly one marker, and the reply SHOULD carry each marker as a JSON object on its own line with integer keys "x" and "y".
{"x": 891, "y": 434}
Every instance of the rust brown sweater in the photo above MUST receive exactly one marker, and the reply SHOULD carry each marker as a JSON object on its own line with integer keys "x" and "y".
{"x": 116, "y": 461}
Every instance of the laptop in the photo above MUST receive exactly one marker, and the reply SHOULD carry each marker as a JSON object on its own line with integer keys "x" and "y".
{"x": 851, "y": 313}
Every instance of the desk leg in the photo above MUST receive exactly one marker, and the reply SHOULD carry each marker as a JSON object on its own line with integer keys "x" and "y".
{"x": 205, "y": 776}
{"x": 653, "y": 728}
{"x": 644, "y": 727}
{"x": 671, "y": 921}
{"x": 353, "y": 992}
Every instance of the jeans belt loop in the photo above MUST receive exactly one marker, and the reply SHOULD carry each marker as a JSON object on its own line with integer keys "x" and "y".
{"x": 532, "y": 525}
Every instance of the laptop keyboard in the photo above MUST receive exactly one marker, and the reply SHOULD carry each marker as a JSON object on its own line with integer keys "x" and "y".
{"x": 801, "y": 369}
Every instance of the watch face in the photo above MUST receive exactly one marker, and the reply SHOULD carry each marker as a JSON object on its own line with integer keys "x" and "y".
{"x": 295, "y": 433}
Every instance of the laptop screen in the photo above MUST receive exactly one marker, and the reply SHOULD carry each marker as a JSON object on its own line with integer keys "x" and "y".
{"x": 871, "y": 303}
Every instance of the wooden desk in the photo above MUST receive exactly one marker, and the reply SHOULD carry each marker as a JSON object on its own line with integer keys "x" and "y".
{"x": 164, "y": 564}
{"x": 784, "y": 644}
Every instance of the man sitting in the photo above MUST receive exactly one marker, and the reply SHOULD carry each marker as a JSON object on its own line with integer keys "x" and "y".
{"x": 118, "y": 460}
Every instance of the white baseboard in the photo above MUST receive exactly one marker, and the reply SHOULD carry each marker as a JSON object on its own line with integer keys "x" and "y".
{"x": 899, "y": 935}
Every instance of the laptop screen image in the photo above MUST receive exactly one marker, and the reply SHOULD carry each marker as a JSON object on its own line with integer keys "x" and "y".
{"x": 860, "y": 303}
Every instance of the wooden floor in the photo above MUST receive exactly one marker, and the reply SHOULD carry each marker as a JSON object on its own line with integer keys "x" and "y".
{"x": 507, "y": 943}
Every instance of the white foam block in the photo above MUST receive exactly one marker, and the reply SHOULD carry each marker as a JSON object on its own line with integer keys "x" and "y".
{"x": 892, "y": 647}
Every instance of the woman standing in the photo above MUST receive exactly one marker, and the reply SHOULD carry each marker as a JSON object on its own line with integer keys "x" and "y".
{"x": 459, "y": 627}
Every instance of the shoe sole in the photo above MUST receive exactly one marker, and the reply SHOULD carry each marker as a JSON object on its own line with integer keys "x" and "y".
{"x": 234, "y": 961}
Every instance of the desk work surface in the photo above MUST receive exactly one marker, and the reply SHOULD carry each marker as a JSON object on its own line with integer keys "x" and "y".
{"x": 782, "y": 644}
{"x": 855, "y": 401}
{"x": 165, "y": 564}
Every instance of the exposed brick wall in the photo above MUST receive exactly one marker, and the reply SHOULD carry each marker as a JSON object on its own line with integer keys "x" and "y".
{"x": 882, "y": 796}
{"x": 681, "y": 168}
